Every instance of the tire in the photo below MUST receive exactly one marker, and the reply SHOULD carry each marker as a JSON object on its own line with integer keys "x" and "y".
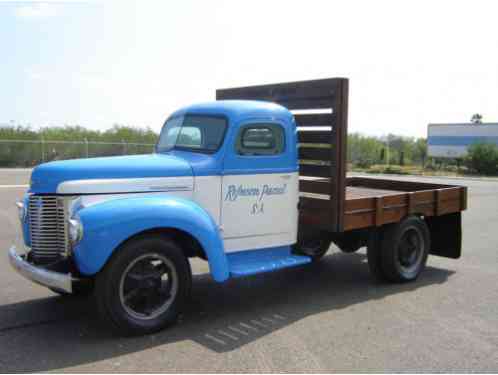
{"x": 404, "y": 249}
{"x": 130, "y": 292}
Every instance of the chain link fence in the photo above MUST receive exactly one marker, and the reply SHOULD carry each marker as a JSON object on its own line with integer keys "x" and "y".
{"x": 28, "y": 153}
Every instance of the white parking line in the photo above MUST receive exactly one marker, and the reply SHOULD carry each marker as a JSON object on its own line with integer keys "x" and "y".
{"x": 13, "y": 186}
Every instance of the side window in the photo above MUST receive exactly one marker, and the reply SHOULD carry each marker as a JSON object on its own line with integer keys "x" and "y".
{"x": 260, "y": 139}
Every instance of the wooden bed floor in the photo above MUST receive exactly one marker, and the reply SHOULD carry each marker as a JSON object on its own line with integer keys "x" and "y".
{"x": 357, "y": 192}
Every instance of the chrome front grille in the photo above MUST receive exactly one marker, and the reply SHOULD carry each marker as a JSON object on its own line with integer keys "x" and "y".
{"x": 48, "y": 228}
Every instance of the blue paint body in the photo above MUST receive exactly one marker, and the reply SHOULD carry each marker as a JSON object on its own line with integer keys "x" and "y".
{"x": 25, "y": 224}
{"x": 108, "y": 224}
{"x": 46, "y": 177}
{"x": 245, "y": 263}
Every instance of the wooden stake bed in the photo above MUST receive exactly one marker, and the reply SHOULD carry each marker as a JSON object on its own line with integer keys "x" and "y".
{"x": 372, "y": 202}
{"x": 328, "y": 200}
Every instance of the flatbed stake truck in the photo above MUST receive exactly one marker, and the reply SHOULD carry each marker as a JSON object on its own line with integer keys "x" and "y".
{"x": 240, "y": 182}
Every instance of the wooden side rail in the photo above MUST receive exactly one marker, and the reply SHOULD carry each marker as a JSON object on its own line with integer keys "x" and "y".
{"x": 385, "y": 209}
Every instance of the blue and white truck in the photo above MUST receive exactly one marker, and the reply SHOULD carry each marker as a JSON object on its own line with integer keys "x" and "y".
{"x": 240, "y": 182}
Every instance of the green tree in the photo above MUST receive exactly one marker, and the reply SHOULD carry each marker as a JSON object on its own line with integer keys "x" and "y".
{"x": 483, "y": 158}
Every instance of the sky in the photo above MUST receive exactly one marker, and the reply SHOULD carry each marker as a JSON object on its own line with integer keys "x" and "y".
{"x": 95, "y": 64}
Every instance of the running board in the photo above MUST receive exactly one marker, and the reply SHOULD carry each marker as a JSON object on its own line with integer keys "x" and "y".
{"x": 251, "y": 262}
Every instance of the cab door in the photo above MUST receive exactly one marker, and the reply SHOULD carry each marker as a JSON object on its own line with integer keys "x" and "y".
{"x": 259, "y": 189}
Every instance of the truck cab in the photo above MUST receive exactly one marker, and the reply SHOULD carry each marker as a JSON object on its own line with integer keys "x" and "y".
{"x": 244, "y": 166}
{"x": 240, "y": 182}
{"x": 223, "y": 182}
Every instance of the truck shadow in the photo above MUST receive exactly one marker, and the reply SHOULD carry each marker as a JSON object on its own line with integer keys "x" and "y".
{"x": 54, "y": 333}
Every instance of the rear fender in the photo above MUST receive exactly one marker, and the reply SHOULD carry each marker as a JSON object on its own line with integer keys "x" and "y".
{"x": 108, "y": 224}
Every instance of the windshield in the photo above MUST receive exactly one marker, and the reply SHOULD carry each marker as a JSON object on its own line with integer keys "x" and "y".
{"x": 198, "y": 133}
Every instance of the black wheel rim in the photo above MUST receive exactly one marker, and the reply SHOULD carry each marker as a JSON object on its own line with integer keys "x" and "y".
{"x": 410, "y": 250}
{"x": 148, "y": 286}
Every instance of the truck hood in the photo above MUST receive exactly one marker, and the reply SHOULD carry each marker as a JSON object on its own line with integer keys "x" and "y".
{"x": 46, "y": 177}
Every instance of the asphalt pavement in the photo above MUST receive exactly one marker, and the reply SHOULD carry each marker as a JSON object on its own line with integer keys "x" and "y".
{"x": 324, "y": 317}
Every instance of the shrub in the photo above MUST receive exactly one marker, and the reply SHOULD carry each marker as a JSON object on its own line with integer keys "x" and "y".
{"x": 364, "y": 163}
{"x": 482, "y": 158}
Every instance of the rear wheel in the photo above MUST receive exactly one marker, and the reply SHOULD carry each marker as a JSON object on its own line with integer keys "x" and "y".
{"x": 404, "y": 249}
{"x": 143, "y": 287}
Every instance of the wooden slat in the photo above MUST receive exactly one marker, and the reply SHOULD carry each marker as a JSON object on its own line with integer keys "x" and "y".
{"x": 319, "y": 119}
{"x": 314, "y": 89}
{"x": 314, "y": 136}
{"x": 315, "y": 187}
{"x": 394, "y": 214}
{"x": 449, "y": 194}
{"x": 310, "y": 170}
{"x": 423, "y": 196}
{"x": 319, "y": 103}
{"x": 309, "y": 153}
{"x": 360, "y": 204}
{"x": 358, "y": 220}
{"x": 394, "y": 200}
{"x": 449, "y": 207}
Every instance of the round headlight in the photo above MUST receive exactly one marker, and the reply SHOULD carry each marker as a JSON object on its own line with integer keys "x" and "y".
{"x": 75, "y": 229}
{"x": 21, "y": 209}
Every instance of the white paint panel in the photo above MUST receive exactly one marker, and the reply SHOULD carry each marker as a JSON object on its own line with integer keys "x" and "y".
{"x": 127, "y": 185}
{"x": 261, "y": 206}
{"x": 207, "y": 194}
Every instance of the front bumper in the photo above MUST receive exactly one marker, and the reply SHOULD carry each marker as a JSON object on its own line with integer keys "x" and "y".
{"x": 55, "y": 280}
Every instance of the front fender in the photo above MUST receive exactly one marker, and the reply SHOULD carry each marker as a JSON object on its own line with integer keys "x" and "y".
{"x": 108, "y": 224}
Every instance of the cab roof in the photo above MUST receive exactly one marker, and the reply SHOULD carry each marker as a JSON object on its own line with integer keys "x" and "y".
{"x": 237, "y": 110}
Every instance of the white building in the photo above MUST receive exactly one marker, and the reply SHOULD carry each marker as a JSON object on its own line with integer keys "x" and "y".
{"x": 453, "y": 140}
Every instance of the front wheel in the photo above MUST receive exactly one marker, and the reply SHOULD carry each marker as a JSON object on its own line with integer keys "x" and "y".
{"x": 144, "y": 286}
